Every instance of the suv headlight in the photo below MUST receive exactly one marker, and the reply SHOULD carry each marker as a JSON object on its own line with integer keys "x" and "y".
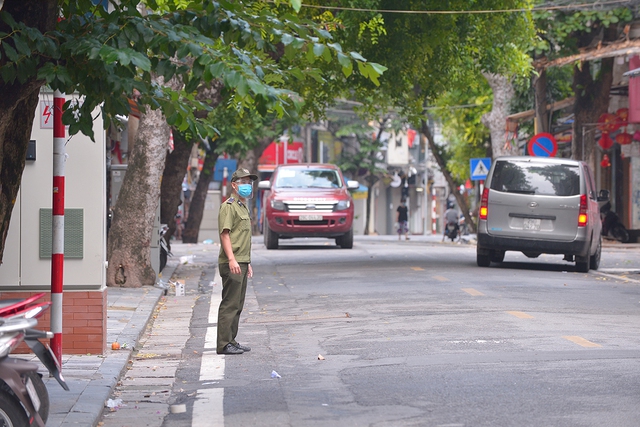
{"x": 342, "y": 205}
{"x": 278, "y": 205}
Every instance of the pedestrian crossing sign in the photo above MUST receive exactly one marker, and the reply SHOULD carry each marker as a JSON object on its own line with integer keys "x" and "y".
{"x": 480, "y": 168}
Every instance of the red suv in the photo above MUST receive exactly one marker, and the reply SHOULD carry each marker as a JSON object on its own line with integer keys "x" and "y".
{"x": 307, "y": 200}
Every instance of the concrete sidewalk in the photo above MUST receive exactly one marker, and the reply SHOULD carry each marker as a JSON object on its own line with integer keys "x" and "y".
{"x": 92, "y": 378}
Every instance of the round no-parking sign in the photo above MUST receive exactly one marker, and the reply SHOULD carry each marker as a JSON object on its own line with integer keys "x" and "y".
{"x": 542, "y": 145}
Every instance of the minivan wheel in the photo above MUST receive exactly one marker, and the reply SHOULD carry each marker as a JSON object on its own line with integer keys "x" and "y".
{"x": 582, "y": 264}
{"x": 496, "y": 256}
{"x": 483, "y": 258}
{"x": 270, "y": 237}
{"x": 594, "y": 260}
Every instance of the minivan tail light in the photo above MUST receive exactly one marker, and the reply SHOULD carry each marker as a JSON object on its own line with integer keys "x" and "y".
{"x": 484, "y": 204}
{"x": 583, "y": 216}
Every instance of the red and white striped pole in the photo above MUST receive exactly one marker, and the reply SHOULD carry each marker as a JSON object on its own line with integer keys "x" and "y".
{"x": 225, "y": 175}
{"x": 57, "y": 252}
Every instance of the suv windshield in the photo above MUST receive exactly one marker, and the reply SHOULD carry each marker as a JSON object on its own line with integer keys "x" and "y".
{"x": 308, "y": 178}
{"x": 536, "y": 178}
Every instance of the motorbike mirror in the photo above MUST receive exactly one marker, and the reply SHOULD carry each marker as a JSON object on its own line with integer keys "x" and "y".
{"x": 603, "y": 196}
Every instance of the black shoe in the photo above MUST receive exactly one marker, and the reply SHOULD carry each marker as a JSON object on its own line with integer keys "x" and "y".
{"x": 230, "y": 349}
{"x": 242, "y": 347}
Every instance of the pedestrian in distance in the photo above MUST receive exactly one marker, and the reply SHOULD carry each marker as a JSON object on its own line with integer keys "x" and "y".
{"x": 403, "y": 220}
{"x": 234, "y": 261}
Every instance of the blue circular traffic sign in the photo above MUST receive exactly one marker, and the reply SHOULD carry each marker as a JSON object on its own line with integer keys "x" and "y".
{"x": 542, "y": 145}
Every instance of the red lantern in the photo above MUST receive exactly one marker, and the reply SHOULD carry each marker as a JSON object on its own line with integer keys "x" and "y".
{"x": 623, "y": 114}
{"x": 605, "y": 141}
{"x": 605, "y": 163}
{"x": 624, "y": 138}
{"x": 609, "y": 122}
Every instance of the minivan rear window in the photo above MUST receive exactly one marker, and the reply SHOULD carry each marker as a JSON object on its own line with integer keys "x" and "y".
{"x": 536, "y": 178}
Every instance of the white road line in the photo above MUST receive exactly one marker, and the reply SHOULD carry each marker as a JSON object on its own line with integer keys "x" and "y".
{"x": 208, "y": 408}
{"x": 211, "y": 366}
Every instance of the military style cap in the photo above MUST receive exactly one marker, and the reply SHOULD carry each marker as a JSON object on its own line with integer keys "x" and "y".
{"x": 242, "y": 173}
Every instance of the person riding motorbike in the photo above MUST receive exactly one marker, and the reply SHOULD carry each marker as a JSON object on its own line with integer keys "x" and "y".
{"x": 451, "y": 228}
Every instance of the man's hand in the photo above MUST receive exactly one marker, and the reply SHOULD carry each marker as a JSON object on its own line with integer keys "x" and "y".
{"x": 250, "y": 271}
{"x": 234, "y": 267}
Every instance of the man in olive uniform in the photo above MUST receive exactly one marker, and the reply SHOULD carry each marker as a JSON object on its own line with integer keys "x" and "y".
{"x": 234, "y": 261}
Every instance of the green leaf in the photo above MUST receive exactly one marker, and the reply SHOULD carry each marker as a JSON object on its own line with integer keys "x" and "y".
{"x": 378, "y": 68}
{"x": 357, "y": 56}
{"x": 318, "y": 49}
{"x": 141, "y": 61}
{"x": 287, "y": 39}
{"x": 8, "y": 73}
{"x": 296, "y": 5}
{"x": 10, "y": 52}
{"x": 22, "y": 46}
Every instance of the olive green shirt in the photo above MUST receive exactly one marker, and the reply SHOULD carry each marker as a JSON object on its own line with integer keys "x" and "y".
{"x": 234, "y": 216}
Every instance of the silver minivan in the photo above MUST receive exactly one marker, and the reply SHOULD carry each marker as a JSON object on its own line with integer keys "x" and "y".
{"x": 540, "y": 205}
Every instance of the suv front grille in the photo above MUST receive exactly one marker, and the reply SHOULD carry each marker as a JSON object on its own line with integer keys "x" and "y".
{"x": 311, "y": 206}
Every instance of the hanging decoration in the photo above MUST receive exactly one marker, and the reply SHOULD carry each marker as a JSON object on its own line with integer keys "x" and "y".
{"x": 636, "y": 136}
{"x": 605, "y": 163}
{"x": 609, "y": 122}
{"x": 605, "y": 141}
{"x": 623, "y": 114}
{"x": 624, "y": 138}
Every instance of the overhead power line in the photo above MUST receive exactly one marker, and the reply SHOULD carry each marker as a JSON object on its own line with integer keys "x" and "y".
{"x": 597, "y": 4}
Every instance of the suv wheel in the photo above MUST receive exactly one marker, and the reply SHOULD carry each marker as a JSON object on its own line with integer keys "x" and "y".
{"x": 270, "y": 237}
{"x": 483, "y": 258}
{"x": 582, "y": 264}
{"x": 346, "y": 241}
{"x": 594, "y": 260}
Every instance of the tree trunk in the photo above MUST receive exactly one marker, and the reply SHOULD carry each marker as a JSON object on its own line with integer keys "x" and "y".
{"x": 542, "y": 115}
{"x": 443, "y": 168}
{"x": 128, "y": 248}
{"x": 171, "y": 188}
{"x": 592, "y": 96}
{"x": 18, "y": 105}
{"x": 592, "y": 100}
{"x": 196, "y": 209}
{"x": 496, "y": 120}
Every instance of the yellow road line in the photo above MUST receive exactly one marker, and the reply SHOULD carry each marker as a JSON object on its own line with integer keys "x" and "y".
{"x": 417, "y": 268}
{"x": 441, "y": 278}
{"x": 520, "y": 314}
{"x": 473, "y": 292}
{"x": 581, "y": 341}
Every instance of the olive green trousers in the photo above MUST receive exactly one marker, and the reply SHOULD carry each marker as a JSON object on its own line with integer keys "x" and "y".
{"x": 234, "y": 289}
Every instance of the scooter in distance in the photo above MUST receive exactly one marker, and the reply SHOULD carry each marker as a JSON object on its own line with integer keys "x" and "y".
{"x": 24, "y": 399}
{"x": 612, "y": 227}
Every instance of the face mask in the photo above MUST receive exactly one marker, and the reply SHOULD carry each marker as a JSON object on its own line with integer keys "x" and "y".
{"x": 244, "y": 190}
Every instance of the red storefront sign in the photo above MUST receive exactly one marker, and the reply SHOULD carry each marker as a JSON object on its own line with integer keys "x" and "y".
{"x": 281, "y": 153}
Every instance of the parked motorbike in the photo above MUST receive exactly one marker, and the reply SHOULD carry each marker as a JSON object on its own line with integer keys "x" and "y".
{"x": 451, "y": 230}
{"x": 611, "y": 225}
{"x": 164, "y": 247}
{"x": 24, "y": 399}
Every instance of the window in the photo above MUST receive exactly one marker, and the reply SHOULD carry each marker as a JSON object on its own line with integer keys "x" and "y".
{"x": 536, "y": 178}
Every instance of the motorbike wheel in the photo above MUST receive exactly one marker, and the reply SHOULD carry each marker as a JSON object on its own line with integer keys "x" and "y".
{"x": 163, "y": 258}
{"x": 43, "y": 394}
{"x": 12, "y": 414}
{"x": 620, "y": 233}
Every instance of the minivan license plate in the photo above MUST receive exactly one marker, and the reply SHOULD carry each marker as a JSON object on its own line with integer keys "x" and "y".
{"x": 310, "y": 218}
{"x": 532, "y": 224}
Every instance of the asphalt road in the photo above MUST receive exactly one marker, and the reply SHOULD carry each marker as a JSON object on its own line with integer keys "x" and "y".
{"x": 415, "y": 334}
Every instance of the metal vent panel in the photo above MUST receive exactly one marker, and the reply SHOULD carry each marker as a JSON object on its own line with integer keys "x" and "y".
{"x": 73, "y": 233}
